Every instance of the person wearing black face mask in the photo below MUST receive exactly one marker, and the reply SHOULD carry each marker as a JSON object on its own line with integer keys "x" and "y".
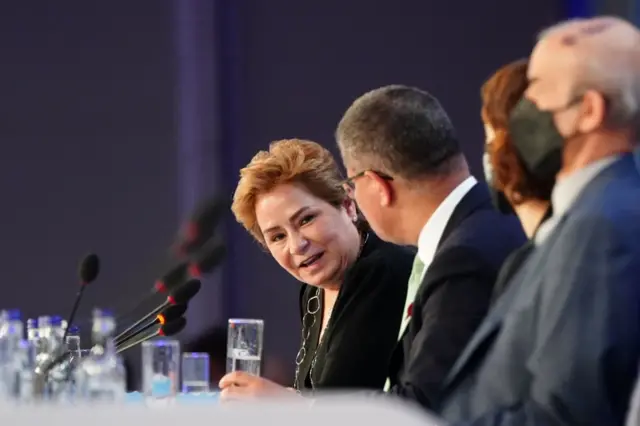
{"x": 561, "y": 345}
{"x": 514, "y": 189}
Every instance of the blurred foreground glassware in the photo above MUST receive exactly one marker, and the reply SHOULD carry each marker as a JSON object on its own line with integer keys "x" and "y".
{"x": 101, "y": 376}
{"x": 160, "y": 367}
{"x": 244, "y": 345}
{"x": 195, "y": 372}
{"x": 11, "y": 335}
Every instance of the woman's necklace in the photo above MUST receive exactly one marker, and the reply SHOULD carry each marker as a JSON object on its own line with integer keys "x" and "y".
{"x": 313, "y": 307}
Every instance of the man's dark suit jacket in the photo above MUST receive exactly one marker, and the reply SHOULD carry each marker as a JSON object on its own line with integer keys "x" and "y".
{"x": 454, "y": 296}
{"x": 561, "y": 346}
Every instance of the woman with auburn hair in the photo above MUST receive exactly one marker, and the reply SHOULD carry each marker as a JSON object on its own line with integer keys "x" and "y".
{"x": 513, "y": 188}
{"x": 294, "y": 202}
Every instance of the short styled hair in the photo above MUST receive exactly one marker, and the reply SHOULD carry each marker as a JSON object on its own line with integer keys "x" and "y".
{"x": 401, "y": 130}
{"x": 500, "y": 94}
{"x": 287, "y": 161}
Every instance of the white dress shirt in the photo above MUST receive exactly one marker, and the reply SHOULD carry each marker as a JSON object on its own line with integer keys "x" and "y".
{"x": 430, "y": 238}
{"x": 428, "y": 241}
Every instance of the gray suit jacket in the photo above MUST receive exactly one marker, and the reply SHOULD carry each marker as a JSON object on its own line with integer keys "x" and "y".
{"x": 561, "y": 346}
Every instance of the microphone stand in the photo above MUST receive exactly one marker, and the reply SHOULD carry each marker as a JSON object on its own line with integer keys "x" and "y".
{"x": 130, "y": 331}
{"x": 136, "y": 342}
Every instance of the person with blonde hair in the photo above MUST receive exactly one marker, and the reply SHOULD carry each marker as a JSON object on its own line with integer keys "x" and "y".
{"x": 292, "y": 199}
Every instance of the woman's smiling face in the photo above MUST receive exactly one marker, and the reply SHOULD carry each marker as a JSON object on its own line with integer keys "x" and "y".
{"x": 311, "y": 239}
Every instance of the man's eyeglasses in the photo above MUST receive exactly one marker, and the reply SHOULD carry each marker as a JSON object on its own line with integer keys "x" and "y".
{"x": 348, "y": 183}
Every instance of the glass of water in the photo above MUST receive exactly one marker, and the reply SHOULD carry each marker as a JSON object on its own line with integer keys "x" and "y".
{"x": 160, "y": 367}
{"x": 195, "y": 372}
{"x": 244, "y": 345}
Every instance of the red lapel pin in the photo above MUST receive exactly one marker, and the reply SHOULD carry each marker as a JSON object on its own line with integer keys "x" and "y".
{"x": 410, "y": 310}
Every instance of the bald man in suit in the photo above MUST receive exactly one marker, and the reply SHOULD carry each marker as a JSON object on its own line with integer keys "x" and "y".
{"x": 561, "y": 345}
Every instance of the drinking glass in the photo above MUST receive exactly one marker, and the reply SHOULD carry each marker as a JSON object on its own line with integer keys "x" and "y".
{"x": 244, "y": 345}
{"x": 160, "y": 367}
{"x": 195, "y": 372}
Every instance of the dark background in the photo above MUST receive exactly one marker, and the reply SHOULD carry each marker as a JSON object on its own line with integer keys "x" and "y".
{"x": 117, "y": 117}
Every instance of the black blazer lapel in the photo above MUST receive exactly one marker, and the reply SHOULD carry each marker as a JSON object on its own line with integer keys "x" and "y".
{"x": 397, "y": 360}
{"x": 477, "y": 197}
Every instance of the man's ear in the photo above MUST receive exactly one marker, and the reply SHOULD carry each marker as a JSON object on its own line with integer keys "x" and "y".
{"x": 593, "y": 111}
{"x": 382, "y": 187}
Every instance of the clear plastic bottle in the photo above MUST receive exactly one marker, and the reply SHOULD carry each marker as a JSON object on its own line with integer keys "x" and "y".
{"x": 63, "y": 372}
{"x": 72, "y": 341}
{"x": 4, "y": 317}
{"x": 32, "y": 330}
{"x": 11, "y": 334}
{"x": 26, "y": 360}
{"x": 58, "y": 324}
{"x": 44, "y": 331}
{"x": 44, "y": 348}
{"x": 56, "y": 345}
{"x": 49, "y": 344}
{"x": 58, "y": 384}
{"x": 101, "y": 376}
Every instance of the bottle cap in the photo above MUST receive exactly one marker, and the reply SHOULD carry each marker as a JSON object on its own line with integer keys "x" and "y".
{"x": 56, "y": 321}
{"x": 14, "y": 315}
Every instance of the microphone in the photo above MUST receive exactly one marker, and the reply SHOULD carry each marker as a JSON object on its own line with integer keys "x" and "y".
{"x": 181, "y": 295}
{"x": 169, "y": 314}
{"x": 167, "y": 330}
{"x": 202, "y": 263}
{"x": 207, "y": 260}
{"x": 201, "y": 226}
{"x": 88, "y": 272}
{"x": 176, "y": 276}
{"x": 169, "y": 281}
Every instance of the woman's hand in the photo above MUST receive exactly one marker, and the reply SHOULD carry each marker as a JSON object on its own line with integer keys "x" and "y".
{"x": 241, "y": 385}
